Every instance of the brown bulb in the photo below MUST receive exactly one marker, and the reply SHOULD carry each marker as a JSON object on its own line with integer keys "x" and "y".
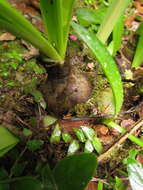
{"x": 65, "y": 88}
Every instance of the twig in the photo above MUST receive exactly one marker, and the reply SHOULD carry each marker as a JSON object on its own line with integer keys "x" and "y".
{"x": 101, "y": 180}
{"x": 115, "y": 146}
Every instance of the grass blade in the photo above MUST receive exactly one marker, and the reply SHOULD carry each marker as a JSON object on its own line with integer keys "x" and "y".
{"x": 114, "y": 12}
{"x": 106, "y": 61}
{"x": 14, "y": 22}
{"x": 53, "y": 20}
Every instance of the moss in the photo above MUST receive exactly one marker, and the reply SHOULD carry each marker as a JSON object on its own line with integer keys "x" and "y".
{"x": 90, "y": 108}
{"x": 17, "y": 76}
{"x": 14, "y": 70}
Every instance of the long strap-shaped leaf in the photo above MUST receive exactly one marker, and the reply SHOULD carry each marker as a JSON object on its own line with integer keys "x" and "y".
{"x": 106, "y": 61}
{"x": 115, "y": 10}
{"x": 14, "y": 22}
{"x": 57, "y": 16}
{"x": 138, "y": 57}
{"x": 67, "y": 14}
{"x": 53, "y": 20}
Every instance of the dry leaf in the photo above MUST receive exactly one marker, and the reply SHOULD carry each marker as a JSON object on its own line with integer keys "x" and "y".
{"x": 91, "y": 186}
{"x": 7, "y": 37}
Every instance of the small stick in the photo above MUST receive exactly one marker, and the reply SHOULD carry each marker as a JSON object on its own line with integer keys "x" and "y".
{"x": 133, "y": 129}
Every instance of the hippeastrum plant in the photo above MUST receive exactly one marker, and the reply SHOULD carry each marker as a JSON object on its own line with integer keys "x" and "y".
{"x": 56, "y": 16}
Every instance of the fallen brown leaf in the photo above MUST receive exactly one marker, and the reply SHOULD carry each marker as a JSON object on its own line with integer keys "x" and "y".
{"x": 91, "y": 186}
{"x": 101, "y": 129}
{"x": 7, "y": 37}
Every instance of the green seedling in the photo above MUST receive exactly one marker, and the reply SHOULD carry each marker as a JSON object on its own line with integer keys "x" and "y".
{"x": 97, "y": 145}
{"x": 66, "y": 137}
{"x": 49, "y": 120}
{"x": 56, "y": 19}
{"x": 80, "y": 135}
{"x": 73, "y": 147}
{"x": 89, "y": 132}
{"x": 88, "y": 148}
{"x": 56, "y": 134}
{"x": 27, "y": 132}
{"x": 34, "y": 144}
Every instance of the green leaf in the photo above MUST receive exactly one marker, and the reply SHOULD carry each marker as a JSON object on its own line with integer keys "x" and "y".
{"x": 106, "y": 61}
{"x": 52, "y": 14}
{"x": 89, "y": 132}
{"x": 66, "y": 137}
{"x": 88, "y": 148}
{"x": 73, "y": 147}
{"x": 80, "y": 135}
{"x": 100, "y": 186}
{"x": 56, "y": 134}
{"x": 135, "y": 172}
{"x": 57, "y": 17}
{"x": 7, "y": 140}
{"x": 27, "y": 132}
{"x": 87, "y": 17}
{"x": 49, "y": 120}
{"x": 136, "y": 140}
{"x": 34, "y": 144}
{"x": 97, "y": 145}
{"x": 119, "y": 185}
{"x": 74, "y": 172}
{"x": 117, "y": 34}
{"x": 115, "y": 10}
{"x": 67, "y": 15}
{"x": 28, "y": 184}
{"x": 138, "y": 57}
{"x": 12, "y": 21}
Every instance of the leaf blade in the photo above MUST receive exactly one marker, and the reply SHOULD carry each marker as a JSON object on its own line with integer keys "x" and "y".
{"x": 53, "y": 22}
{"x": 114, "y": 11}
{"x": 106, "y": 61}
{"x": 74, "y": 172}
{"x": 14, "y": 22}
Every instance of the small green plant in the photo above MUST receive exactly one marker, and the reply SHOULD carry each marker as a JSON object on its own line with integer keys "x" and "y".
{"x": 56, "y": 18}
{"x": 56, "y": 21}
